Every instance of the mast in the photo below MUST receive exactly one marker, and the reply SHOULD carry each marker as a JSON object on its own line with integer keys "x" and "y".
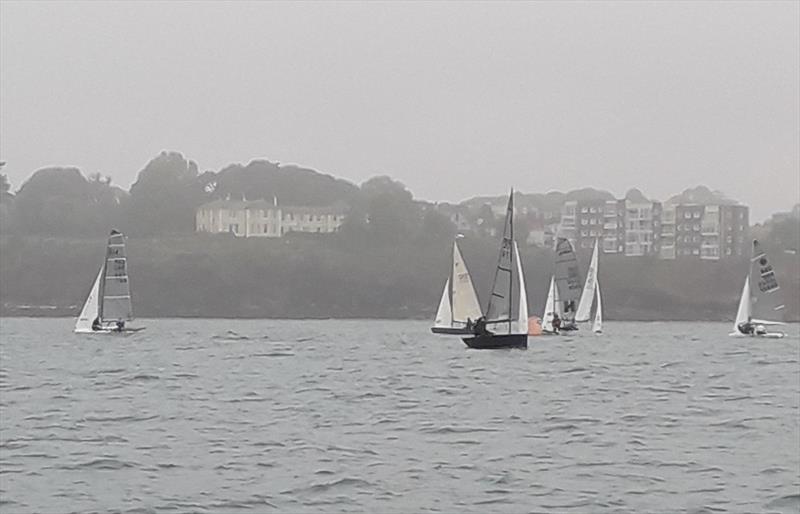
{"x": 452, "y": 283}
{"x": 510, "y": 214}
{"x": 499, "y": 308}
{"x": 102, "y": 289}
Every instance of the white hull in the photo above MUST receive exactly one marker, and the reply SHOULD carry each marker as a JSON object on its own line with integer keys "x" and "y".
{"x": 105, "y": 331}
{"x": 768, "y": 335}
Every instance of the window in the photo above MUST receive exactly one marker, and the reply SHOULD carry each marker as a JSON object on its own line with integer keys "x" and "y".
{"x": 584, "y": 209}
{"x": 584, "y": 221}
{"x": 696, "y": 215}
{"x": 687, "y": 215}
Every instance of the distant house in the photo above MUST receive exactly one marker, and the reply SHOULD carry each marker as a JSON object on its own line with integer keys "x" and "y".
{"x": 541, "y": 234}
{"x": 261, "y": 218}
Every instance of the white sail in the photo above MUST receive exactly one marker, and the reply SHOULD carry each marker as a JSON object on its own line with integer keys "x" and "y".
{"x": 743, "y": 312}
{"x": 91, "y": 307}
{"x": 522, "y": 311}
{"x": 587, "y": 296}
{"x": 597, "y": 326}
{"x": 465, "y": 302}
{"x": 444, "y": 316}
{"x": 550, "y": 306}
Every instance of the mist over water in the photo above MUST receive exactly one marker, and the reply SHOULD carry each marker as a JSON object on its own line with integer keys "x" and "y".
{"x": 379, "y": 416}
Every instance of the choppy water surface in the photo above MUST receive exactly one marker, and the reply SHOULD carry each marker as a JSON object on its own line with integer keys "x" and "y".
{"x": 326, "y": 416}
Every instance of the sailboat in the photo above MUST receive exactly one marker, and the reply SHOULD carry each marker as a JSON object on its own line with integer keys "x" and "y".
{"x": 590, "y": 295}
{"x": 551, "y": 307}
{"x": 759, "y": 306}
{"x": 597, "y": 325}
{"x": 459, "y": 306}
{"x": 568, "y": 283}
{"x": 505, "y": 327}
{"x": 108, "y": 305}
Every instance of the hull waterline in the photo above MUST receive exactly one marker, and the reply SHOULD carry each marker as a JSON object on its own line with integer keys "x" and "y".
{"x": 451, "y": 331}
{"x": 493, "y": 342}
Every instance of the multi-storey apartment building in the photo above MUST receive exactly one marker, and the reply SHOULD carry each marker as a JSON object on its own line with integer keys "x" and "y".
{"x": 734, "y": 231}
{"x": 642, "y": 227}
{"x": 589, "y": 222}
{"x": 710, "y": 232}
{"x": 614, "y": 226}
{"x": 668, "y": 236}
{"x": 631, "y": 226}
{"x": 688, "y": 230}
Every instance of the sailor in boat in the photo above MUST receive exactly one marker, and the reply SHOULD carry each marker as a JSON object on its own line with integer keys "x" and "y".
{"x": 556, "y": 323}
{"x": 480, "y": 327}
{"x": 746, "y": 328}
{"x": 469, "y": 324}
{"x": 120, "y": 326}
{"x": 96, "y": 324}
{"x": 760, "y": 330}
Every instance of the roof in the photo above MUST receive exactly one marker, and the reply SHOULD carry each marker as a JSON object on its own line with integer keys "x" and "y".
{"x": 338, "y": 208}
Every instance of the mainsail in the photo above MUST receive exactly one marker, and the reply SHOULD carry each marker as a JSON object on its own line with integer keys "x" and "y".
{"x": 567, "y": 278}
{"x": 597, "y": 326}
{"x": 499, "y": 309}
{"x": 743, "y": 312}
{"x": 589, "y": 287}
{"x": 465, "y": 302}
{"x": 522, "y": 312}
{"x": 115, "y": 293}
{"x": 766, "y": 304}
{"x": 551, "y": 306}
{"x": 91, "y": 307}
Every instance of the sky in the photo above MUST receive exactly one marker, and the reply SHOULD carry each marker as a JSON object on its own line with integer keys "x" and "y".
{"x": 452, "y": 99}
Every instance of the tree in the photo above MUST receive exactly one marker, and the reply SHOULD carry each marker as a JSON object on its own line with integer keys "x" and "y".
{"x": 290, "y": 185}
{"x": 60, "y": 201}
{"x": 389, "y": 210}
{"x": 164, "y": 197}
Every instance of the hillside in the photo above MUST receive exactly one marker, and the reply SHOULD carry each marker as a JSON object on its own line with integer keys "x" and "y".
{"x": 322, "y": 277}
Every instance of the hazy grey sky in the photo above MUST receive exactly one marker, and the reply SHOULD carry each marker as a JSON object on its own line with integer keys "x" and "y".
{"x": 453, "y": 99}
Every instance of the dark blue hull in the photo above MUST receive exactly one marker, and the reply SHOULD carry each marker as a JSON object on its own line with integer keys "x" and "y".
{"x": 494, "y": 342}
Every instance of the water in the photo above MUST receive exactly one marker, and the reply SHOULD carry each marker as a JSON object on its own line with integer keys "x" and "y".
{"x": 377, "y": 416}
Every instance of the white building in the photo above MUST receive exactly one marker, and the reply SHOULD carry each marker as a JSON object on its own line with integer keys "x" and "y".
{"x": 642, "y": 227}
{"x": 260, "y": 218}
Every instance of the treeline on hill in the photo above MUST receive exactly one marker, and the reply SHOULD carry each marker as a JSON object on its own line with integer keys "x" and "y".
{"x": 389, "y": 259}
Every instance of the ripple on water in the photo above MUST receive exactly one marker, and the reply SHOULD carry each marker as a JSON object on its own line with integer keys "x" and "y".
{"x": 196, "y": 417}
